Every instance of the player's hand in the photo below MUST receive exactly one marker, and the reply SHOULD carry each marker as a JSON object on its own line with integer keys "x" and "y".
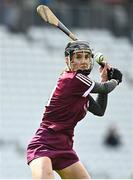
{"x": 116, "y": 74}
{"x": 104, "y": 72}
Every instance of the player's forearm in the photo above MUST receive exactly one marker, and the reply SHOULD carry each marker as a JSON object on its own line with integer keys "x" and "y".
{"x": 102, "y": 101}
{"x": 105, "y": 87}
{"x": 98, "y": 106}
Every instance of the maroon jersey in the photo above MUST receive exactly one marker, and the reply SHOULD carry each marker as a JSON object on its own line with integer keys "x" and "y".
{"x": 67, "y": 106}
{"x": 68, "y": 103}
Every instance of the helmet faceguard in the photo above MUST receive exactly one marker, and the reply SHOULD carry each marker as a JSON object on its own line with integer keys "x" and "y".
{"x": 76, "y": 47}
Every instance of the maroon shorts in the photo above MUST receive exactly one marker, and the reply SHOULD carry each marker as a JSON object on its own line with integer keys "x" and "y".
{"x": 55, "y": 145}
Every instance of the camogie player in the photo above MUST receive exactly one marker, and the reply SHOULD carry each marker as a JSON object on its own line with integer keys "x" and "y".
{"x": 52, "y": 146}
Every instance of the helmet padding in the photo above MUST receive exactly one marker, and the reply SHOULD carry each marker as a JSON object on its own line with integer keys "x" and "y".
{"x": 77, "y": 45}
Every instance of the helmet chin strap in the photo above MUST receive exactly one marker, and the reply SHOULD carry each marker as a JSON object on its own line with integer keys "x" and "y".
{"x": 85, "y": 72}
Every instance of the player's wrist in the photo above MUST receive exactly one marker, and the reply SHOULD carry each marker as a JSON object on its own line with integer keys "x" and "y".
{"x": 104, "y": 80}
{"x": 104, "y": 77}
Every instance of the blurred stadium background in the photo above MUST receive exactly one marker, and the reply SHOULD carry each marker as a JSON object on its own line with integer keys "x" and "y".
{"x": 31, "y": 58}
